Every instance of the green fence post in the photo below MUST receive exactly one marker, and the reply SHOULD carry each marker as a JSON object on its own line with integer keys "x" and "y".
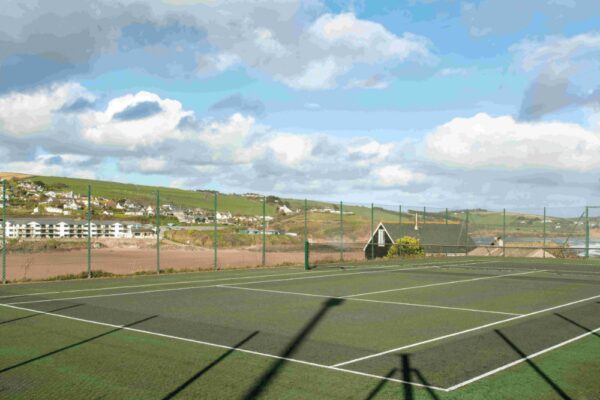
{"x": 89, "y": 233}
{"x": 400, "y": 215}
{"x": 264, "y": 230}
{"x": 215, "y": 232}
{"x": 372, "y": 236}
{"x": 3, "y": 231}
{"x": 306, "y": 246}
{"x": 467, "y": 235}
{"x": 544, "y": 242}
{"x": 587, "y": 232}
{"x": 504, "y": 232}
{"x": 446, "y": 218}
{"x": 424, "y": 215}
{"x": 157, "y": 232}
{"x": 341, "y": 231}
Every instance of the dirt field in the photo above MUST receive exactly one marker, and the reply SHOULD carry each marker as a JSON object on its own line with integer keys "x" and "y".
{"x": 43, "y": 265}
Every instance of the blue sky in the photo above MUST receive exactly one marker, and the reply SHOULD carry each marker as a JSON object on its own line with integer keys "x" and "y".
{"x": 486, "y": 103}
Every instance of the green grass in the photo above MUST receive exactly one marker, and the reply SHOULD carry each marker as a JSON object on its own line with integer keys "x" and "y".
{"x": 146, "y": 195}
{"x": 55, "y": 358}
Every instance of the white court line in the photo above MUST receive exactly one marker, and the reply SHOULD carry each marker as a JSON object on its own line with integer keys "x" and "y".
{"x": 209, "y": 286}
{"x": 442, "y": 283}
{"x": 529, "y": 357}
{"x": 212, "y": 280}
{"x": 367, "y": 300}
{"x": 257, "y": 353}
{"x": 436, "y": 339}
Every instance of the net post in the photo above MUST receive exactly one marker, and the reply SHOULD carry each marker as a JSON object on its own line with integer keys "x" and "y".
{"x": 264, "y": 230}
{"x": 89, "y": 232}
{"x": 587, "y": 232}
{"x": 306, "y": 246}
{"x": 544, "y": 243}
{"x": 372, "y": 237}
{"x": 504, "y": 232}
{"x": 467, "y": 235}
{"x": 157, "y": 232}
{"x": 3, "y": 231}
{"x": 215, "y": 232}
{"x": 341, "y": 231}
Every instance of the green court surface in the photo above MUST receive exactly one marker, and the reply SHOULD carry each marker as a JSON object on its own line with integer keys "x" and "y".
{"x": 447, "y": 328}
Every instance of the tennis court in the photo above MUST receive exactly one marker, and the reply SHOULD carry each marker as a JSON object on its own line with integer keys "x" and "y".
{"x": 436, "y": 326}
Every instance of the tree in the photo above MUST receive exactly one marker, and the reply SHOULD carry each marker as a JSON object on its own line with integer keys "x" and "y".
{"x": 406, "y": 246}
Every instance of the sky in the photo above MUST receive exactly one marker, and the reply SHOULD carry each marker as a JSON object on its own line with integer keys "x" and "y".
{"x": 489, "y": 103}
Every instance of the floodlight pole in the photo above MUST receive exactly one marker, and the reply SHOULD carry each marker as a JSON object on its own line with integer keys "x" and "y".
{"x": 89, "y": 233}
{"x": 3, "y": 231}
{"x": 341, "y": 231}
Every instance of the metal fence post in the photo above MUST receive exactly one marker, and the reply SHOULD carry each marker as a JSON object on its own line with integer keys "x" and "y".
{"x": 264, "y": 230}
{"x": 544, "y": 243}
{"x": 424, "y": 215}
{"x": 446, "y": 216}
{"x": 215, "y": 232}
{"x": 587, "y": 232}
{"x": 89, "y": 233}
{"x": 3, "y": 231}
{"x": 306, "y": 245}
{"x": 341, "y": 231}
{"x": 504, "y": 239}
{"x": 372, "y": 236}
{"x": 157, "y": 232}
{"x": 400, "y": 215}
{"x": 467, "y": 236}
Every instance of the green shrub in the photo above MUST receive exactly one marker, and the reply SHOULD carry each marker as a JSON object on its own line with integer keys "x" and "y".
{"x": 406, "y": 246}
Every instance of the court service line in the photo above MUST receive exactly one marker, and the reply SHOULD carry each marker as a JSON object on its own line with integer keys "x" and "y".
{"x": 209, "y": 286}
{"x": 443, "y": 283}
{"x": 436, "y": 339}
{"x": 367, "y": 300}
{"x": 529, "y": 357}
{"x": 202, "y": 342}
{"x": 213, "y": 280}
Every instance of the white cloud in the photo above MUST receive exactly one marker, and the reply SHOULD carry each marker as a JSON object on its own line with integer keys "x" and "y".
{"x": 291, "y": 150}
{"x": 369, "y": 38}
{"x": 318, "y": 74}
{"x": 371, "y": 152}
{"x": 23, "y": 113}
{"x": 103, "y": 127}
{"x": 397, "y": 175}
{"x": 559, "y": 51}
{"x": 486, "y": 141}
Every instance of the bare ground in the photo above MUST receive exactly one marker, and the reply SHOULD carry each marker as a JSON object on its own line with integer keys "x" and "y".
{"x": 44, "y": 265}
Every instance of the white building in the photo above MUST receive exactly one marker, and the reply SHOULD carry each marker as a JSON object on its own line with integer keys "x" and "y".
{"x": 48, "y": 228}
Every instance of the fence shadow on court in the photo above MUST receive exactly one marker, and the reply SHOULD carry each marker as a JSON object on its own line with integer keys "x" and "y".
{"x": 37, "y": 314}
{"x": 264, "y": 381}
{"x": 208, "y": 367}
{"x": 560, "y": 392}
{"x": 22, "y": 363}
{"x": 578, "y": 325}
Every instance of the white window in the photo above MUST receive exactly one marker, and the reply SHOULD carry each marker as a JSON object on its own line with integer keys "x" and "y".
{"x": 381, "y": 238}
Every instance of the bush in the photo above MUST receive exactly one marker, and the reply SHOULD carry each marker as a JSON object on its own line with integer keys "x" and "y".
{"x": 406, "y": 246}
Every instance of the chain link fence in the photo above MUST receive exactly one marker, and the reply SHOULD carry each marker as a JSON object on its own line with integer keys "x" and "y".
{"x": 51, "y": 232}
